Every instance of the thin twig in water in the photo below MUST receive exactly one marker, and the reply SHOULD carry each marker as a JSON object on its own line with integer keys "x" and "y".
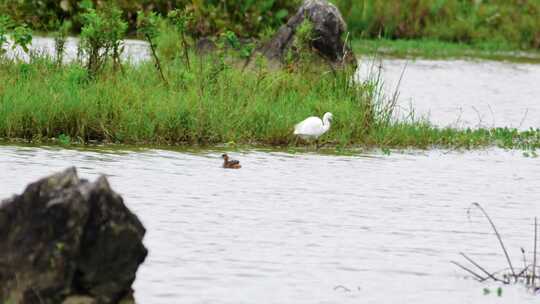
{"x": 480, "y": 267}
{"x": 524, "y": 258}
{"x": 492, "y": 116}
{"x": 342, "y": 287}
{"x": 480, "y": 119}
{"x": 534, "y": 252}
{"x": 523, "y": 119}
{"x": 498, "y": 236}
{"x": 477, "y": 276}
{"x": 396, "y": 90}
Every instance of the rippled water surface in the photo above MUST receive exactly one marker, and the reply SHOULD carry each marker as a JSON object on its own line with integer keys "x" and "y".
{"x": 306, "y": 228}
{"x": 462, "y": 93}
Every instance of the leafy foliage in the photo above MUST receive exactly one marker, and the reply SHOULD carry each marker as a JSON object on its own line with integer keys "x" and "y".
{"x": 514, "y": 22}
{"x": 20, "y": 34}
{"x": 101, "y": 37}
{"x": 244, "y": 17}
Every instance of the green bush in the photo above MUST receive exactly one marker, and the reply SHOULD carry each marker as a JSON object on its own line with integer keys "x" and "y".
{"x": 101, "y": 37}
{"x": 515, "y": 23}
{"x": 511, "y": 22}
{"x": 245, "y": 18}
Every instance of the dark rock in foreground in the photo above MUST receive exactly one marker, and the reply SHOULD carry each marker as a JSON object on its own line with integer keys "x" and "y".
{"x": 66, "y": 239}
{"x": 328, "y": 29}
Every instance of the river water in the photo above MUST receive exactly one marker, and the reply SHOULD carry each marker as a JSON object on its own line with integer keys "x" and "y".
{"x": 312, "y": 228}
{"x": 461, "y": 93}
{"x": 308, "y": 228}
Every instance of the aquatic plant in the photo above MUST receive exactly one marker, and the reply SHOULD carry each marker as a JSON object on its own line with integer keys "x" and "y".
{"x": 40, "y": 101}
{"x": 527, "y": 275}
{"x": 207, "y": 99}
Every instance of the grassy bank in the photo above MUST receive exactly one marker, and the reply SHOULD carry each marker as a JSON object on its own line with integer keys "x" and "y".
{"x": 210, "y": 103}
{"x": 434, "y": 49}
{"x": 183, "y": 98}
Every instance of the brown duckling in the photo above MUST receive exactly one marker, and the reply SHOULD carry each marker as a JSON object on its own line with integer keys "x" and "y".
{"x": 230, "y": 163}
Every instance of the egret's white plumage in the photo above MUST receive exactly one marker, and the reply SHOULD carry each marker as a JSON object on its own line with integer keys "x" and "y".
{"x": 313, "y": 127}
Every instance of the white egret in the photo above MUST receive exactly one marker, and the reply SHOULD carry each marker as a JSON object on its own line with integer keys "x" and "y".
{"x": 313, "y": 127}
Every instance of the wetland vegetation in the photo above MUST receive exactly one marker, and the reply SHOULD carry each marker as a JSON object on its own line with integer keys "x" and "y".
{"x": 185, "y": 97}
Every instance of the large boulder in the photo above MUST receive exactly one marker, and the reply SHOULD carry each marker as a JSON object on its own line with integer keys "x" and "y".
{"x": 65, "y": 238}
{"x": 329, "y": 28}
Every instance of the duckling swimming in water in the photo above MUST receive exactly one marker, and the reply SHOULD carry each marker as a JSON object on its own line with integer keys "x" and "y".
{"x": 230, "y": 164}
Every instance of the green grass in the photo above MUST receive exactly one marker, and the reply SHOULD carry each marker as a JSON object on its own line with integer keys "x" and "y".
{"x": 435, "y": 49}
{"x": 41, "y": 102}
{"x": 512, "y": 23}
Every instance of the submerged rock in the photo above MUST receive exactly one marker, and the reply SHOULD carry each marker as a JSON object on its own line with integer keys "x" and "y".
{"x": 68, "y": 240}
{"x": 328, "y": 30}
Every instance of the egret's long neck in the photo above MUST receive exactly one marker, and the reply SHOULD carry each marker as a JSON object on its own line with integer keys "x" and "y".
{"x": 326, "y": 124}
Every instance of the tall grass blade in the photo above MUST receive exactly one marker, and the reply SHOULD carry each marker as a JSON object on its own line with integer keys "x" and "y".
{"x": 534, "y": 253}
{"x": 481, "y": 268}
{"x": 498, "y": 237}
{"x": 476, "y": 275}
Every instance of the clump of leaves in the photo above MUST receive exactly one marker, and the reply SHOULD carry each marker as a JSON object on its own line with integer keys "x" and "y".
{"x": 230, "y": 40}
{"x": 4, "y": 28}
{"x": 300, "y": 50}
{"x": 21, "y": 34}
{"x": 116, "y": 31}
{"x": 101, "y": 37}
{"x": 304, "y": 33}
{"x": 93, "y": 42}
{"x": 64, "y": 139}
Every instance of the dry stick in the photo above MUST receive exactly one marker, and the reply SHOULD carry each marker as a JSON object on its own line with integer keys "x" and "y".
{"x": 523, "y": 119}
{"x": 492, "y": 117}
{"x": 478, "y": 277}
{"x": 344, "y": 51}
{"x": 395, "y": 96}
{"x": 156, "y": 59}
{"x": 480, "y": 119}
{"x": 480, "y": 267}
{"x": 534, "y": 253}
{"x": 186, "y": 54}
{"x": 498, "y": 237}
{"x": 524, "y": 258}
